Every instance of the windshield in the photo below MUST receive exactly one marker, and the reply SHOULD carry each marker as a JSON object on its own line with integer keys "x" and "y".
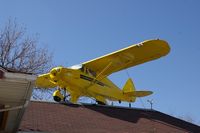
{"x": 79, "y": 66}
{"x": 83, "y": 69}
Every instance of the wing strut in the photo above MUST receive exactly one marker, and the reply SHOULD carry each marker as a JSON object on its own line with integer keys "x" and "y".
{"x": 99, "y": 75}
{"x": 106, "y": 68}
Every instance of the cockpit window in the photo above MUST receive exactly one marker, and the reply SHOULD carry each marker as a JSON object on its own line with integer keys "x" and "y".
{"x": 76, "y": 67}
{"x": 92, "y": 72}
{"x": 84, "y": 70}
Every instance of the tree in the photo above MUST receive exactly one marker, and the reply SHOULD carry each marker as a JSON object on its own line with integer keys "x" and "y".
{"x": 19, "y": 52}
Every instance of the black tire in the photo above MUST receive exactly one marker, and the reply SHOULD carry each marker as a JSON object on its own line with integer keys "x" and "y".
{"x": 57, "y": 99}
{"x": 100, "y": 103}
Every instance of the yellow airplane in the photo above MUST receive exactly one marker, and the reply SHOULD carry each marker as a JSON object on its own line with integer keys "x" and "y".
{"x": 90, "y": 78}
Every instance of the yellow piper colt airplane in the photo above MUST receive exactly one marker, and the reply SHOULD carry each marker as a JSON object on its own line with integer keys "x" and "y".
{"x": 90, "y": 78}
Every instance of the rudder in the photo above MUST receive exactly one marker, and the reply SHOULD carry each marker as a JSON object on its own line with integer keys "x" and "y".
{"x": 128, "y": 87}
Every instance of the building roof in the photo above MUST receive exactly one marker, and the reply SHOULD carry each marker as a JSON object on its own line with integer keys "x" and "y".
{"x": 15, "y": 93}
{"x": 61, "y": 118}
{"x": 12, "y": 70}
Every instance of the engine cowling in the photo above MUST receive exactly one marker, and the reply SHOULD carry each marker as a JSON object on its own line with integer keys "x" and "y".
{"x": 55, "y": 74}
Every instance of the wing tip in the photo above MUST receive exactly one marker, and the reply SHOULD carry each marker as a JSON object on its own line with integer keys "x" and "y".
{"x": 164, "y": 45}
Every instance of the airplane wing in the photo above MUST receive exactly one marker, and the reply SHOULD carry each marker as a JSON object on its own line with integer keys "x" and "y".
{"x": 43, "y": 81}
{"x": 128, "y": 57}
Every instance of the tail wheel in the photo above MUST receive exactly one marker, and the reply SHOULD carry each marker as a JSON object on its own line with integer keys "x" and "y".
{"x": 100, "y": 103}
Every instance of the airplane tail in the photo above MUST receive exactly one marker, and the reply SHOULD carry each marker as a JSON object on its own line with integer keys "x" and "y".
{"x": 129, "y": 89}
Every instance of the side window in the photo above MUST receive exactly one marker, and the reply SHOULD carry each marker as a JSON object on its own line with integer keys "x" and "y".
{"x": 92, "y": 73}
{"x": 87, "y": 71}
{"x": 82, "y": 69}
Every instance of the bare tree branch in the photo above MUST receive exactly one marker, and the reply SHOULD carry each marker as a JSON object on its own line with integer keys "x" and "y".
{"x": 20, "y": 52}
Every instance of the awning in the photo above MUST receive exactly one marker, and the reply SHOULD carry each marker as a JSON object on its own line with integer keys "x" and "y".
{"x": 15, "y": 92}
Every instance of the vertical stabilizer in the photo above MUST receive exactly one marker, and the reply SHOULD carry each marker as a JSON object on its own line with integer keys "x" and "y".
{"x": 129, "y": 86}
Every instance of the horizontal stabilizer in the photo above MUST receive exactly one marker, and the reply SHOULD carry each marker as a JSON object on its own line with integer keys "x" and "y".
{"x": 139, "y": 93}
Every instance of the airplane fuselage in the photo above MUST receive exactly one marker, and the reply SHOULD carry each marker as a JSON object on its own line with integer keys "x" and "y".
{"x": 82, "y": 82}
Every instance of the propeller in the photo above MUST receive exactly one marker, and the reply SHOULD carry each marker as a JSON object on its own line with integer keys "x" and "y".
{"x": 55, "y": 74}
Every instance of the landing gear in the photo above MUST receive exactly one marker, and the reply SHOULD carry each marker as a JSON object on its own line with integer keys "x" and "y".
{"x": 57, "y": 96}
{"x": 100, "y": 103}
{"x": 65, "y": 98}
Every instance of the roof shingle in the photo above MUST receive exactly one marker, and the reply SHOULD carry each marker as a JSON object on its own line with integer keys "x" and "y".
{"x": 60, "y": 118}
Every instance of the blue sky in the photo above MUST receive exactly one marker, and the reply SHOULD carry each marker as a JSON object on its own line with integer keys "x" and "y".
{"x": 77, "y": 31}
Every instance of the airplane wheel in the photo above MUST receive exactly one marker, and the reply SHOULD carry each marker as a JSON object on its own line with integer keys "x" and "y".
{"x": 100, "y": 103}
{"x": 57, "y": 96}
{"x": 57, "y": 99}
